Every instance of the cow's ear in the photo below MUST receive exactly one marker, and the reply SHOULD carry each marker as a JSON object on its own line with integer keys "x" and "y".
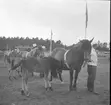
{"x": 91, "y": 40}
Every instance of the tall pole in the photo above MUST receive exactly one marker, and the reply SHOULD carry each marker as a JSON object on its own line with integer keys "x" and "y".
{"x": 7, "y": 47}
{"x": 51, "y": 43}
{"x": 86, "y": 21}
{"x": 85, "y": 32}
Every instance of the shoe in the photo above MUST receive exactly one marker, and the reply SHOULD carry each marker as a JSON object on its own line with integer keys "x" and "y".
{"x": 62, "y": 82}
{"x": 96, "y": 93}
{"x": 92, "y": 91}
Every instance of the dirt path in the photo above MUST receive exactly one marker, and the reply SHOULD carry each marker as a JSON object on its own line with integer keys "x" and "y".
{"x": 10, "y": 92}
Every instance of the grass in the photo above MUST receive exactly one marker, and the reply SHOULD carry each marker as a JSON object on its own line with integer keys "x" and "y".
{"x": 60, "y": 95}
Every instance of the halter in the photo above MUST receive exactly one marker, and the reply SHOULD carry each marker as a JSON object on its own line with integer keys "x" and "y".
{"x": 65, "y": 59}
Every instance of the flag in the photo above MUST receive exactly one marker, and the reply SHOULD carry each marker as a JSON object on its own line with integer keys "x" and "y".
{"x": 86, "y": 15}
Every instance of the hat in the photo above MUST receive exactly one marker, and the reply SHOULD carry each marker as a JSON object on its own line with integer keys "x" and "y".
{"x": 34, "y": 45}
{"x": 43, "y": 47}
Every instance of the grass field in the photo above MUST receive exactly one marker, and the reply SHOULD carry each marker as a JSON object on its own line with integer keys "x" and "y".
{"x": 10, "y": 91}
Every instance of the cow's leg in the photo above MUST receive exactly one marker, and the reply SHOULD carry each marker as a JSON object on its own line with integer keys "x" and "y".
{"x": 49, "y": 83}
{"x": 46, "y": 82}
{"x": 75, "y": 79}
{"x": 26, "y": 83}
{"x": 23, "y": 86}
{"x": 71, "y": 79}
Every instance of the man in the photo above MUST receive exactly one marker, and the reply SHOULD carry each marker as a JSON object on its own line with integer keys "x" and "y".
{"x": 34, "y": 46}
{"x": 91, "y": 69}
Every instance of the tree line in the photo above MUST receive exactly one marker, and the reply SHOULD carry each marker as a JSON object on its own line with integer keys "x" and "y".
{"x": 16, "y": 41}
{"x": 101, "y": 46}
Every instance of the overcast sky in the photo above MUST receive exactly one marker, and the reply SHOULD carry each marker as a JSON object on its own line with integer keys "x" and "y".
{"x": 66, "y": 18}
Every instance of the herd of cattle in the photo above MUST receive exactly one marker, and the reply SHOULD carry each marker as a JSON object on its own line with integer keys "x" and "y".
{"x": 40, "y": 61}
{"x": 11, "y": 57}
{"x": 24, "y": 62}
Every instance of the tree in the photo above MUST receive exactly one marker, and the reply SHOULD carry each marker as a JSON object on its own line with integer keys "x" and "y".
{"x": 16, "y": 41}
{"x": 58, "y": 42}
{"x": 105, "y": 45}
{"x": 95, "y": 45}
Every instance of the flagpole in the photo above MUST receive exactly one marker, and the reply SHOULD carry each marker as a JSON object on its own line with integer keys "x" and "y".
{"x": 85, "y": 32}
{"x": 51, "y": 43}
{"x": 7, "y": 47}
{"x": 86, "y": 21}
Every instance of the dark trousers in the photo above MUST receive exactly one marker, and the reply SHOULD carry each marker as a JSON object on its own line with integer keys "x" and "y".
{"x": 91, "y": 77}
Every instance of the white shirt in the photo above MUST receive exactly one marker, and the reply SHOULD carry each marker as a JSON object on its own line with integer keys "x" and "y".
{"x": 94, "y": 58}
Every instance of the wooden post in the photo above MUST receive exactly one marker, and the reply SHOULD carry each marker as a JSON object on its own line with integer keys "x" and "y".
{"x": 51, "y": 43}
{"x": 85, "y": 32}
{"x": 7, "y": 47}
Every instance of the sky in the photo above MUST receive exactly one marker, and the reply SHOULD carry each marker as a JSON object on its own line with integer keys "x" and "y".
{"x": 66, "y": 19}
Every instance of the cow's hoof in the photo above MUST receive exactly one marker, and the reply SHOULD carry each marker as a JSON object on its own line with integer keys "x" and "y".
{"x": 70, "y": 88}
{"x": 74, "y": 89}
{"x": 22, "y": 92}
{"x": 62, "y": 82}
{"x": 46, "y": 89}
{"x": 10, "y": 78}
{"x": 50, "y": 88}
{"x": 28, "y": 94}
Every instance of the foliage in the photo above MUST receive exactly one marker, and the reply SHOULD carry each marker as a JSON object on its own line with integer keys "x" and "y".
{"x": 12, "y": 42}
{"x": 16, "y": 41}
{"x": 101, "y": 46}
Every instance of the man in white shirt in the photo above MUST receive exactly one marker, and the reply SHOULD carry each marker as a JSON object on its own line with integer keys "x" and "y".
{"x": 91, "y": 69}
